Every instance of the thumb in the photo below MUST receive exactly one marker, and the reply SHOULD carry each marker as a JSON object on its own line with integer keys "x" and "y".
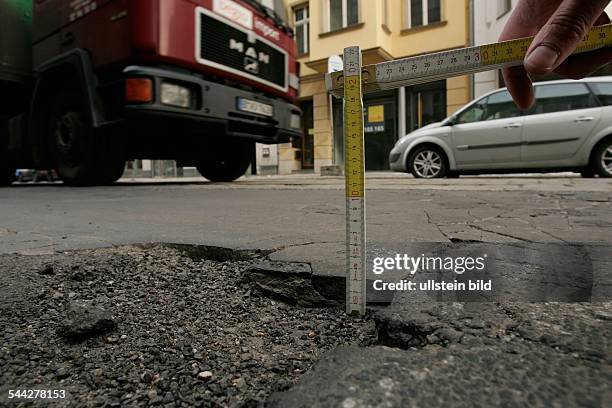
{"x": 562, "y": 34}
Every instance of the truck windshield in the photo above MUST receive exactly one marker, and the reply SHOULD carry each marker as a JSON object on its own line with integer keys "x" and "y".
{"x": 276, "y": 6}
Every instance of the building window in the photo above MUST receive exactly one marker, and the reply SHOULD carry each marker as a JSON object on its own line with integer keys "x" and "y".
{"x": 503, "y": 6}
{"x": 423, "y": 12}
{"x": 425, "y": 104}
{"x": 302, "y": 28}
{"x": 343, "y": 13}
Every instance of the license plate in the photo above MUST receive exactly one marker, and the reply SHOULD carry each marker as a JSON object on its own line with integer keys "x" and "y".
{"x": 247, "y": 105}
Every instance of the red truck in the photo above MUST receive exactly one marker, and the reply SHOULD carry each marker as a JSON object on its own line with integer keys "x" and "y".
{"x": 90, "y": 84}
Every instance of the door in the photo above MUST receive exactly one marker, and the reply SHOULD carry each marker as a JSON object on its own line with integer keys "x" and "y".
{"x": 308, "y": 141}
{"x": 562, "y": 119}
{"x": 425, "y": 104}
{"x": 488, "y": 134}
{"x": 380, "y": 132}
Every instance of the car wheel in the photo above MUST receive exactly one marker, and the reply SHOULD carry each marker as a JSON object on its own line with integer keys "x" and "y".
{"x": 226, "y": 161}
{"x": 603, "y": 159}
{"x": 428, "y": 162}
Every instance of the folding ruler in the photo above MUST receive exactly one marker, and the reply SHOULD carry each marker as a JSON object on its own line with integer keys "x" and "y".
{"x": 356, "y": 80}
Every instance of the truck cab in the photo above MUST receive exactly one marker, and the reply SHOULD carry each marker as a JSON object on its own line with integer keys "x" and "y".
{"x": 196, "y": 81}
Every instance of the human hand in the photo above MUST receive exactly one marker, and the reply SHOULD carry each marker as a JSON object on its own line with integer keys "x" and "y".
{"x": 558, "y": 26}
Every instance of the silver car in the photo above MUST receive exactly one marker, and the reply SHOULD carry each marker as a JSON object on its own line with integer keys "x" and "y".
{"x": 569, "y": 128}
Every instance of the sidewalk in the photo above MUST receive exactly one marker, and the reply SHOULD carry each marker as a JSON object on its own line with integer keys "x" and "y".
{"x": 369, "y": 176}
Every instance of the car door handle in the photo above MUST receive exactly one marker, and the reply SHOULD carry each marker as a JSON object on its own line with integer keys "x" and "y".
{"x": 584, "y": 119}
{"x": 512, "y": 126}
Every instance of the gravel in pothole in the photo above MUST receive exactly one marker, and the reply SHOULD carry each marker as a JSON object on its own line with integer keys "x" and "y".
{"x": 133, "y": 326}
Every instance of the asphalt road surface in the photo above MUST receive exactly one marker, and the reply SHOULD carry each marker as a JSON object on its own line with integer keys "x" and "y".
{"x": 546, "y": 236}
{"x": 302, "y": 217}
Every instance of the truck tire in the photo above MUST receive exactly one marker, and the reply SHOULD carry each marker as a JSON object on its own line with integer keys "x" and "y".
{"x": 111, "y": 161}
{"x": 80, "y": 156}
{"x": 7, "y": 173}
{"x": 7, "y": 170}
{"x": 226, "y": 161}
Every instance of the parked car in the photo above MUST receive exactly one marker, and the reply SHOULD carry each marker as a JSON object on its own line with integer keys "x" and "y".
{"x": 568, "y": 128}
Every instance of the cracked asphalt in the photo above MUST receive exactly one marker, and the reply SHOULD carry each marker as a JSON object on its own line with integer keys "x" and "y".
{"x": 303, "y": 216}
{"x": 445, "y": 352}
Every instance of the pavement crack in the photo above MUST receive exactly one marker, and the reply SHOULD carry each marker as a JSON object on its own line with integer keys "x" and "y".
{"x": 501, "y": 234}
{"x": 284, "y": 247}
{"x": 430, "y": 222}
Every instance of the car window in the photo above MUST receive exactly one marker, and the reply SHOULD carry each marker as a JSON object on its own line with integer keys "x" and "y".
{"x": 501, "y": 106}
{"x": 562, "y": 97}
{"x": 604, "y": 93}
{"x": 473, "y": 114}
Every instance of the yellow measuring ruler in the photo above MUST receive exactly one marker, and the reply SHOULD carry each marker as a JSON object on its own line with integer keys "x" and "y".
{"x": 356, "y": 80}
{"x": 354, "y": 158}
{"x": 447, "y": 64}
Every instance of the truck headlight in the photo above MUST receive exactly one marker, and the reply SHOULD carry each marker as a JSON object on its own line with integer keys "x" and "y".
{"x": 175, "y": 95}
{"x": 295, "y": 121}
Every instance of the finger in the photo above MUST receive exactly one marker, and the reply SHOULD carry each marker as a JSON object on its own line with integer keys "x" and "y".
{"x": 603, "y": 19}
{"x": 519, "y": 85}
{"x": 524, "y": 21}
{"x": 579, "y": 66}
{"x": 527, "y": 18}
{"x": 560, "y": 36}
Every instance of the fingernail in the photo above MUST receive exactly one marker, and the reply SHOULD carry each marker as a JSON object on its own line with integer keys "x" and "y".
{"x": 542, "y": 59}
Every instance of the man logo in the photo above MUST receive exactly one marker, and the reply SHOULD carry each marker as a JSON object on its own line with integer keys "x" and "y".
{"x": 251, "y": 65}
{"x": 252, "y": 58}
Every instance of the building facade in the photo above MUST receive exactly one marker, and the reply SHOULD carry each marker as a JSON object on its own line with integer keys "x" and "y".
{"x": 489, "y": 18}
{"x": 488, "y": 21}
{"x": 385, "y": 30}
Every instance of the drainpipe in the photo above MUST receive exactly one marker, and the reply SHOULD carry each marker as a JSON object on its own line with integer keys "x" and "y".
{"x": 472, "y": 41}
{"x": 401, "y": 107}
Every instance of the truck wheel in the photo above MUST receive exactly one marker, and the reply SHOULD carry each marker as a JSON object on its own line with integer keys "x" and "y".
{"x": 228, "y": 161}
{"x": 111, "y": 161}
{"x": 71, "y": 141}
{"x": 7, "y": 174}
{"x": 80, "y": 156}
{"x": 7, "y": 170}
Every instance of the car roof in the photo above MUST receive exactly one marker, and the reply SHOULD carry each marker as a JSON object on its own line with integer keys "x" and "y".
{"x": 561, "y": 81}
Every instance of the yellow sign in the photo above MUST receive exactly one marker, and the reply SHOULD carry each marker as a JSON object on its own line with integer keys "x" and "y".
{"x": 376, "y": 114}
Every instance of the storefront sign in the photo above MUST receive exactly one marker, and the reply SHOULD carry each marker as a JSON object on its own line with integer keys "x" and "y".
{"x": 375, "y": 128}
{"x": 376, "y": 114}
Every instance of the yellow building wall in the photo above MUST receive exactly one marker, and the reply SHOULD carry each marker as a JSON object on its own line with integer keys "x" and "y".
{"x": 392, "y": 40}
{"x": 452, "y": 32}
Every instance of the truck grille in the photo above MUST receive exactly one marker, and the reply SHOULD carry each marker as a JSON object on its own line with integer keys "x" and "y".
{"x": 237, "y": 50}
